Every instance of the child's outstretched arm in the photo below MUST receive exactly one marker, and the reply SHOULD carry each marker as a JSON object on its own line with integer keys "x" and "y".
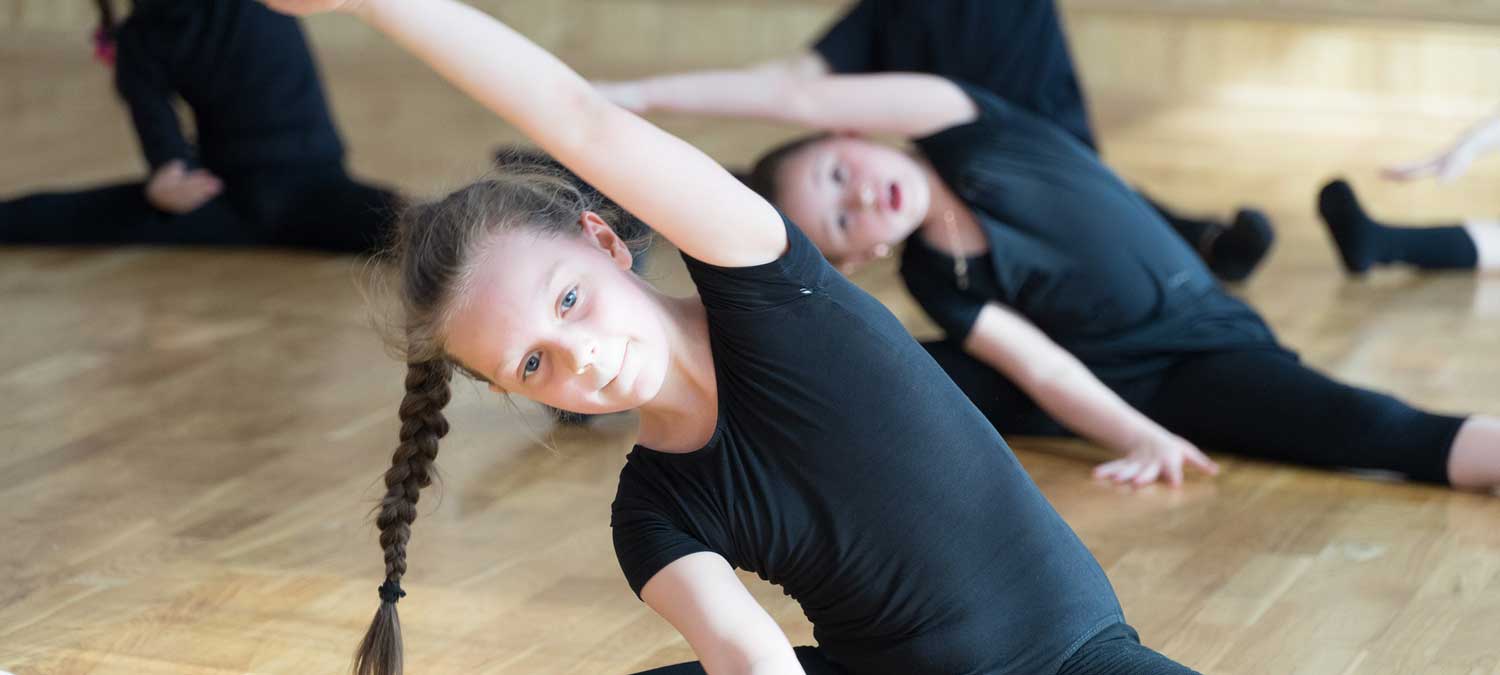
{"x": 174, "y": 186}
{"x": 736, "y": 92}
{"x": 1064, "y": 388}
{"x": 143, "y": 83}
{"x": 681, "y": 192}
{"x": 906, "y": 104}
{"x": 1451, "y": 163}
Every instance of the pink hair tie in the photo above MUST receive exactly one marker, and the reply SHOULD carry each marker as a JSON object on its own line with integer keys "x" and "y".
{"x": 104, "y": 47}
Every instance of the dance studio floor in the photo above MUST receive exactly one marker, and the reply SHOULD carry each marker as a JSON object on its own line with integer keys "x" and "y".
{"x": 190, "y": 440}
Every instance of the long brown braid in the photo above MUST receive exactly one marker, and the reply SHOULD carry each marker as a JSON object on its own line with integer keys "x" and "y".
{"x": 422, "y": 425}
{"x": 432, "y": 251}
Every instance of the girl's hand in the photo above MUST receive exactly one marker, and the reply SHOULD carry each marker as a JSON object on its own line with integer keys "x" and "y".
{"x": 1445, "y": 167}
{"x": 1160, "y": 454}
{"x": 1483, "y": 137}
{"x": 308, "y": 7}
{"x": 176, "y": 190}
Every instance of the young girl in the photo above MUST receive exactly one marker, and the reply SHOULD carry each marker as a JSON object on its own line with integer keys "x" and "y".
{"x": 789, "y": 424}
{"x": 1016, "y": 49}
{"x": 1067, "y": 301}
{"x": 1363, "y": 242}
{"x": 267, "y": 167}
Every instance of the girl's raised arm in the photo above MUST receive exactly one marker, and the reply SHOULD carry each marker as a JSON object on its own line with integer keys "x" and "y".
{"x": 905, "y": 104}
{"x": 738, "y": 92}
{"x": 682, "y": 193}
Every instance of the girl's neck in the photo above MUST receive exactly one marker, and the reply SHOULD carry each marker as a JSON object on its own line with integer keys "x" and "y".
{"x": 949, "y": 225}
{"x": 682, "y": 416}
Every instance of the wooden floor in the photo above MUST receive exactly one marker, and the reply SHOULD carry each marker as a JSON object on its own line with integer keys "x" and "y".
{"x": 190, "y": 440}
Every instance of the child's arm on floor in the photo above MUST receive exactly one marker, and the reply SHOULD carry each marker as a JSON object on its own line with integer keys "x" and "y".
{"x": 174, "y": 186}
{"x": 1481, "y": 138}
{"x": 1064, "y": 388}
{"x": 681, "y": 192}
{"x": 142, "y": 82}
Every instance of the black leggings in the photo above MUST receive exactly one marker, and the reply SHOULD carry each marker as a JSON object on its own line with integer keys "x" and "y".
{"x": 317, "y": 207}
{"x": 1114, "y": 651}
{"x": 1261, "y": 403}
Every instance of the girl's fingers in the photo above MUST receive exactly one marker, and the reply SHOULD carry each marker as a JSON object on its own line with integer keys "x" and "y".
{"x": 202, "y": 190}
{"x": 1411, "y": 170}
{"x": 1201, "y": 462}
{"x": 1148, "y": 474}
{"x": 1174, "y": 473}
{"x": 1130, "y": 470}
{"x": 1110, "y": 470}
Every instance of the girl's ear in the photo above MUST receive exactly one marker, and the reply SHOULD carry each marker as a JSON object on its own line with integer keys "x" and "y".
{"x": 602, "y": 236}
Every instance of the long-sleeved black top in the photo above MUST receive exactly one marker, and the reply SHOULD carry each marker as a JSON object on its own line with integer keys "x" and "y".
{"x": 245, "y": 71}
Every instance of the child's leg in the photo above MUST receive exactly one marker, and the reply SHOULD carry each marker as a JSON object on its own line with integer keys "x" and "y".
{"x": 1232, "y": 250}
{"x": 333, "y": 212}
{"x": 1118, "y": 651}
{"x": 1266, "y": 404}
{"x": 115, "y": 214}
{"x": 1363, "y": 242}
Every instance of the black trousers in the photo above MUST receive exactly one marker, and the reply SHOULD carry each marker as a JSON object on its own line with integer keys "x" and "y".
{"x": 1264, "y": 404}
{"x": 316, "y": 206}
{"x": 1116, "y": 650}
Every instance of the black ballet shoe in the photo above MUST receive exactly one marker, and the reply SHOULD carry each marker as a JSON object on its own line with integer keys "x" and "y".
{"x": 1353, "y": 231}
{"x": 1236, "y": 250}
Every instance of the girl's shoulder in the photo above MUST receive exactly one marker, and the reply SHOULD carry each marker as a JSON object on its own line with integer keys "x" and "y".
{"x": 795, "y": 274}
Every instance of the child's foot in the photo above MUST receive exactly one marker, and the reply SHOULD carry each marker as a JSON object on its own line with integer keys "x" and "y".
{"x": 1241, "y": 246}
{"x": 1353, "y": 232}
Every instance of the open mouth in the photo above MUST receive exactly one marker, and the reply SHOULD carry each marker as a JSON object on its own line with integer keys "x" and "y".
{"x": 895, "y": 197}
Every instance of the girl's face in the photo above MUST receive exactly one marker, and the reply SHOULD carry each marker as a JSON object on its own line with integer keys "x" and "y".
{"x": 854, "y": 198}
{"x": 562, "y": 321}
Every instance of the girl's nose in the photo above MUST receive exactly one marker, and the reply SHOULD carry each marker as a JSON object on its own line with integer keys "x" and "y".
{"x": 580, "y": 354}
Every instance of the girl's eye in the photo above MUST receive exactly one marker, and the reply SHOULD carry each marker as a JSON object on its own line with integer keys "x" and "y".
{"x": 843, "y": 221}
{"x": 838, "y": 174}
{"x": 533, "y": 362}
{"x": 570, "y": 298}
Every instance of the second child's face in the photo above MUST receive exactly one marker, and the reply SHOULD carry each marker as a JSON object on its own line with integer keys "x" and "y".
{"x": 855, "y": 199}
{"x": 562, "y": 321}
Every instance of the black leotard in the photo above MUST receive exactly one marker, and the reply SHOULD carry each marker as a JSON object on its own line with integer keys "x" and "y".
{"x": 847, "y": 468}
